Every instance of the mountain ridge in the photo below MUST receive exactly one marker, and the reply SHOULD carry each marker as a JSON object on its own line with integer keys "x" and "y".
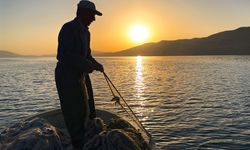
{"x": 7, "y": 54}
{"x": 231, "y": 42}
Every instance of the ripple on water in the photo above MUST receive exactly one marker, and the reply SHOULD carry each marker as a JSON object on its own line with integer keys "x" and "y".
{"x": 199, "y": 102}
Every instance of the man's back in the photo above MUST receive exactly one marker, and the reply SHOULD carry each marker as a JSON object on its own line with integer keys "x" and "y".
{"x": 71, "y": 73}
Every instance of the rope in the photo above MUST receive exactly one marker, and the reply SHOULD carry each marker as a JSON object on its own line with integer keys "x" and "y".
{"x": 109, "y": 85}
{"x": 117, "y": 99}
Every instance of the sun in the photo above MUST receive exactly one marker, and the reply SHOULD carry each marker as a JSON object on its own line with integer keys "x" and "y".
{"x": 138, "y": 33}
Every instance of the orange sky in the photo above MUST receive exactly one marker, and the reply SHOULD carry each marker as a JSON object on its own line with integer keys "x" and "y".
{"x": 31, "y": 27}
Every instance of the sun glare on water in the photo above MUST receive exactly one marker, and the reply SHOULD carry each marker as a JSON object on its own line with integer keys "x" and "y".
{"x": 138, "y": 33}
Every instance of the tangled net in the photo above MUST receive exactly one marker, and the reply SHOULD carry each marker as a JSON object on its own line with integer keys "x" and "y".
{"x": 39, "y": 134}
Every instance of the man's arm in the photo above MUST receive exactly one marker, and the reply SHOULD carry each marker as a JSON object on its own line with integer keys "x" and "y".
{"x": 97, "y": 65}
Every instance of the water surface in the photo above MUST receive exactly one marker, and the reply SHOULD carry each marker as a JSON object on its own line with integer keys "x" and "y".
{"x": 186, "y": 102}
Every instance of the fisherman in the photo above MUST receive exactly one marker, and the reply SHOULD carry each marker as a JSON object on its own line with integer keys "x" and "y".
{"x": 74, "y": 64}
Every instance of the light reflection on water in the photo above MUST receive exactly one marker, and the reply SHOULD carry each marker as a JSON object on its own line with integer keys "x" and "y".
{"x": 192, "y": 102}
{"x": 139, "y": 85}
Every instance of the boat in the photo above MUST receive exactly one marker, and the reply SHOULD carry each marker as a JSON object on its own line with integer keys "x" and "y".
{"x": 55, "y": 118}
{"x": 108, "y": 131}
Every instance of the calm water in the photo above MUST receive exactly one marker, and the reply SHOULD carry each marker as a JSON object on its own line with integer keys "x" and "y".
{"x": 199, "y": 102}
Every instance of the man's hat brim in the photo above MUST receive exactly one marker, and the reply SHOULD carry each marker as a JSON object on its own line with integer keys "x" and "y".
{"x": 98, "y": 13}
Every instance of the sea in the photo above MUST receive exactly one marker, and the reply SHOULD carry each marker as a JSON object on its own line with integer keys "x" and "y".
{"x": 185, "y": 102}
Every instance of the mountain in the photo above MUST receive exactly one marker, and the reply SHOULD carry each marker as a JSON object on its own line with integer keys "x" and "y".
{"x": 6, "y": 54}
{"x": 99, "y": 53}
{"x": 234, "y": 42}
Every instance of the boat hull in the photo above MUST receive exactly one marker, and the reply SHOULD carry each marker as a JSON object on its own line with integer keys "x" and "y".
{"x": 55, "y": 118}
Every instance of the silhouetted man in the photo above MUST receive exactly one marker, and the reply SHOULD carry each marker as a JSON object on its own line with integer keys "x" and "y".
{"x": 74, "y": 64}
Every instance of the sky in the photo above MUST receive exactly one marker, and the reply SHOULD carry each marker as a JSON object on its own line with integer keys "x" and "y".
{"x": 31, "y": 27}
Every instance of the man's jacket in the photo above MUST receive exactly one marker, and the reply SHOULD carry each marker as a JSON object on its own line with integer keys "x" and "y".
{"x": 74, "y": 52}
{"x": 73, "y": 46}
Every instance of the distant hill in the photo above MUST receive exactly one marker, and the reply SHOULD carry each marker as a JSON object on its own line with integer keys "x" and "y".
{"x": 6, "y": 54}
{"x": 235, "y": 42}
{"x": 98, "y": 53}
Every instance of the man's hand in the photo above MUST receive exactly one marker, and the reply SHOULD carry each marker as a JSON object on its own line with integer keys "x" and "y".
{"x": 98, "y": 67}
{"x": 90, "y": 69}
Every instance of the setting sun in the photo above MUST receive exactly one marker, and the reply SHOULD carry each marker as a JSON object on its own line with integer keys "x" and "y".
{"x": 138, "y": 33}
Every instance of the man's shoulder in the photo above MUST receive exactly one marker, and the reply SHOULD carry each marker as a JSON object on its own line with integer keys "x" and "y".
{"x": 71, "y": 25}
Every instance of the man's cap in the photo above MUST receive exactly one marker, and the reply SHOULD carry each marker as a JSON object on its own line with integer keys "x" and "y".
{"x": 84, "y": 4}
